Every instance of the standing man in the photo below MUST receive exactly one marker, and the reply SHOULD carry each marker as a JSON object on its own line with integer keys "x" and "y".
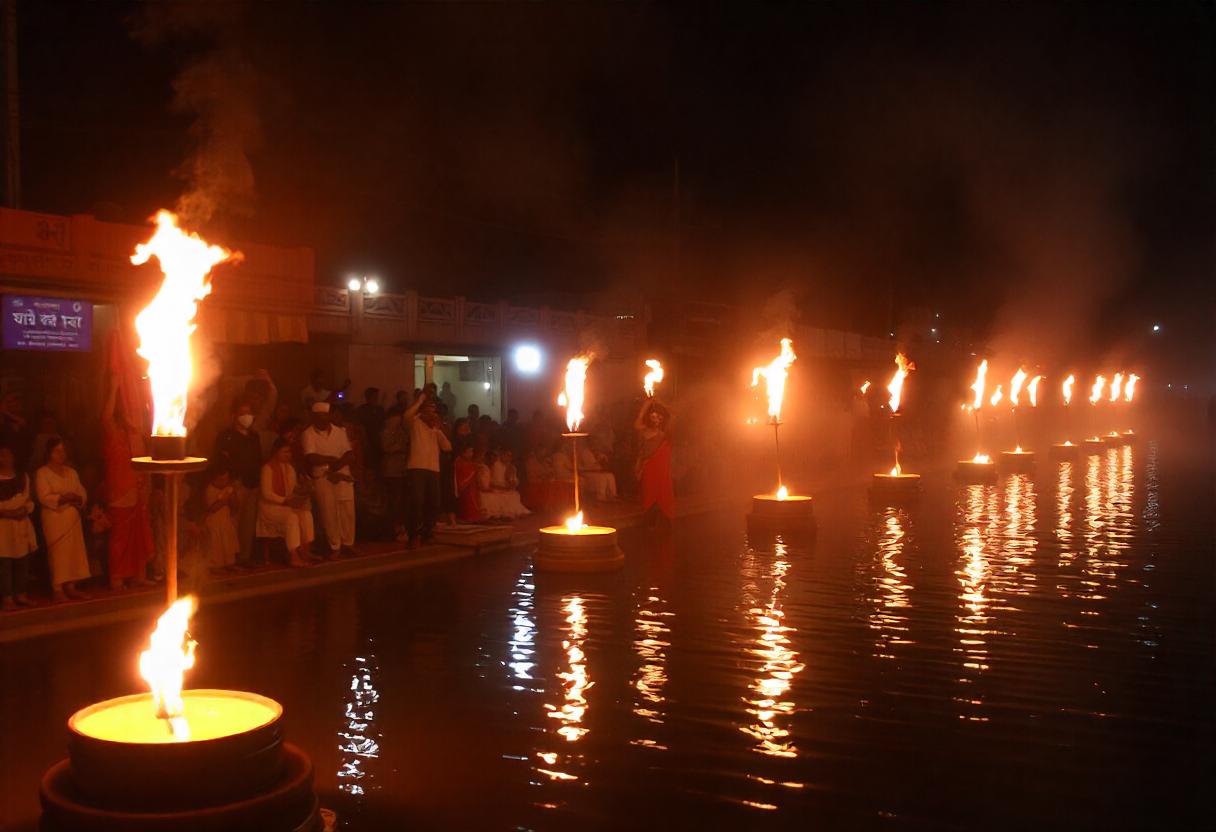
{"x": 422, "y": 470}
{"x": 241, "y": 447}
{"x": 370, "y": 415}
{"x": 328, "y": 454}
{"x": 448, "y": 397}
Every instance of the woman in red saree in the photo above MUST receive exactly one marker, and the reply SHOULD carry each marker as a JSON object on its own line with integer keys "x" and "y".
{"x": 653, "y": 426}
{"x": 468, "y": 496}
{"x": 131, "y": 546}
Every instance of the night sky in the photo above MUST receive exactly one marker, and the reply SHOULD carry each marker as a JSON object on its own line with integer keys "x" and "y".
{"x": 1031, "y": 168}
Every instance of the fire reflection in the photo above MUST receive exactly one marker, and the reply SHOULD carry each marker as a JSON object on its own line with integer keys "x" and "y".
{"x": 575, "y": 682}
{"x": 1018, "y": 540}
{"x": 977, "y": 525}
{"x": 1064, "y": 521}
{"x": 359, "y": 738}
{"x": 651, "y": 644}
{"x": 522, "y": 644}
{"x": 769, "y": 702}
{"x": 889, "y": 617}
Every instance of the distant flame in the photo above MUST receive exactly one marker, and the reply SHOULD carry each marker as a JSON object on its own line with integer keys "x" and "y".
{"x": 653, "y": 377}
{"x": 1068, "y": 383}
{"x": 783, "y": 493}
{"x": 168, "y": 657}
{"x": 865, "y": 387}
{"x": 982, "y": 459}
{"x": 895, "y": 472}
{"x": 1015, "y": 386}
{"x": 981, "y": 373}
{"x": 895, "y": 388}
{"x": 996, "y": 396}
{"x": 575, "y": 523}
{"x": 166, "y": 324}
{"x": 1018, "y": 450}
{"x": 774, "y": 376}
{"x": 1033, "y": 390}
{"x": 1116, "y": 387}
{"x": 571, "y": 396}
{"x": 1067, "y": 444}
{"x": 1129, "y": 389}
{"x": 1095, "y": 393}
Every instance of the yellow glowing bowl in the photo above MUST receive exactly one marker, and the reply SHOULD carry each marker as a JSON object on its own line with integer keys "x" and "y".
{"x": 122, "y": 753}
{"x": 969, "y": 470}
{"x": 589, "y": 549}
{"x": 1094, "y": 443}
{"x": 1114, "y": 438}
{"x": 1061, "y": 450}
{"x": 794, "y": 512}
{"x": 1017, "y": 460}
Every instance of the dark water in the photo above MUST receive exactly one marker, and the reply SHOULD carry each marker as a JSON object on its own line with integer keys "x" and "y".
{"x": 1036, "y": 653}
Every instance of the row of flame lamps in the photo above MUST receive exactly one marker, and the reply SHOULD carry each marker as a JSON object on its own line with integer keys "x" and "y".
{"x": 981, "y": 467}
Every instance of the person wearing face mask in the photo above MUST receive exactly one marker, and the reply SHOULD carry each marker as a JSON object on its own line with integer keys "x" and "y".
{"x": 241, "y": 448}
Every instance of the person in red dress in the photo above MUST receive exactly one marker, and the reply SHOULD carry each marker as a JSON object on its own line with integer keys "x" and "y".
{"x": 653, "y": 427}
{"x": 468, "y": 496}
{"x": 131, "y": 546}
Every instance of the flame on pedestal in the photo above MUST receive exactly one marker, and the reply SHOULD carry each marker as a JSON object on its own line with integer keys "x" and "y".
{"x": 783, "y": 493}
{"x": 896, "y": 387}
{"x": 774, "y": 376}
{"x": 1116, "y": 387}
{"x": 166, "y": 324}
{"x": 1129, "y": 389}
{"x": 982, "y": 459}
{"x": 981, "y": 373}
{"x": 896, "y": 470}
{"x": 1095, "y": 392}
{"x": 1068, "y": 383}
{"x": 865, "y": 387}
{"x": 1033, "y": 390}
{"x": 653, "y": 377}
{"x": 571, "y": 396}
{"x": 169, "y": 655}
{"x": 996, "y": 396}
{"x": 1015, "y": 386}
{"x": 575, "y": 523}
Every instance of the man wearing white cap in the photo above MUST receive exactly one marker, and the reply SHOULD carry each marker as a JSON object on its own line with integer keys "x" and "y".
{"x": 328, "y": 454}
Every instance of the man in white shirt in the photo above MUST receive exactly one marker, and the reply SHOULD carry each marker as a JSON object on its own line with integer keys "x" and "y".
{"x": 422, "y": 470}
{"x": 328, "y": 455}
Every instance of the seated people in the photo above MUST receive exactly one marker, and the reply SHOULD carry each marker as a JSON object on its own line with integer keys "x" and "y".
{"x": 498, "y": 482}
{"x": 284, "y": 508}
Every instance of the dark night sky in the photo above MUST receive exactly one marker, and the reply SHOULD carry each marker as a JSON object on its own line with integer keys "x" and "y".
{"x": 1042, "y": 167}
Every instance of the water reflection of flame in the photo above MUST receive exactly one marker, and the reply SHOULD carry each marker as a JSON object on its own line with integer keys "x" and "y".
{"x": 575, "y": 681}
{"x": 651, "y": 644}
{"x": 977, "y": 525}
{"x": 769, "y": 704}
{"x": 889, "y": 617}
{"x": 523, "y": 630}
{"x": 359, "y": 739}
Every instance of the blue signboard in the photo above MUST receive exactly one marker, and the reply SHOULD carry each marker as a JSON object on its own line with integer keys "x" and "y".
{"x": 55, "y": 324}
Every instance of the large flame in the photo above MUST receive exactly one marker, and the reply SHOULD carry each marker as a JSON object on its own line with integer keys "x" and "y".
{"x": 895, "y": 472}
{"x": 1068, "y": 383}
{"x": 1015, "y": 386}
{"x": 1095, "y": 393}
{"x": 571, "y": 396}
{"x": 995, "y": 399}
{"x": 774, "y": 376}
{"x": 902, "y": 367}
{"x": 1116, "y": 387}
{"x": 166, "y": 324}
{"x": 783, "y": 493}
{"x": 653, "y": 377}
{"x": 982, "y": 459}
{"x": 169, "y": 655}
{"x": 1129, "y": 388}
{"x": 575, "y": 523}
{"x": 1033, "y": 390}
{"x": 981, "y": 373}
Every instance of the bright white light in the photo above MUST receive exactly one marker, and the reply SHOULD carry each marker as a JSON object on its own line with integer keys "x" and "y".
{"x": 1156, "y": 327}
{"x": 486, "y": 385}
{"x": 372, "y": 286}
{"x": 353, "y": 284}
{"x": 527, "y": 359}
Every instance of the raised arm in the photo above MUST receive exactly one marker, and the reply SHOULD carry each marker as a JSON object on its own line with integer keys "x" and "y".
{"x": 640, "y": 422}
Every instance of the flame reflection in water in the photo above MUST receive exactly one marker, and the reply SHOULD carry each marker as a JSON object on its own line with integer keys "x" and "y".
{"x": 359, "y": 738}
{"x": 651, "y": 643}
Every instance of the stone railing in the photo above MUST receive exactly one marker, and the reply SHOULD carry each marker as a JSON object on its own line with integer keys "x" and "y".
{"x": 413, "y": 318}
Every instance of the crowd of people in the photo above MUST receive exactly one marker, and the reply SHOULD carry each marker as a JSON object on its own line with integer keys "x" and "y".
{"x": 302, "y": 480}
